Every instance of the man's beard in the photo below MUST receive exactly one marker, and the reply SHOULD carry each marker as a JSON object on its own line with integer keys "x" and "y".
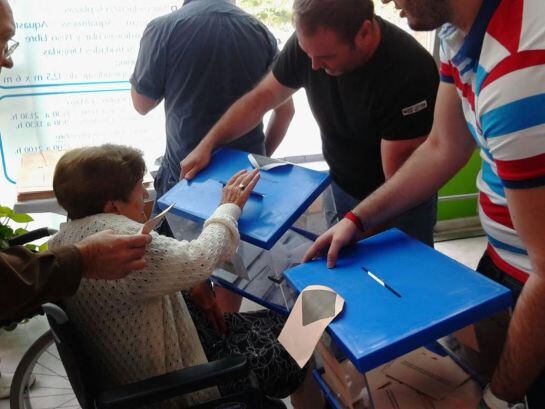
{"x": 427, "y": 14}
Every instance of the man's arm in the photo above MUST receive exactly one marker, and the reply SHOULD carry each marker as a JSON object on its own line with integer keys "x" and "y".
{"x": 240, "y": 118}
{"x": 446, "y": 150}
{"x": 141, "y": 103}
{"x": 278, "y": 125}
{"x": 523, "y": 355}
{"x": 30, "y": 279}
{"x": 395, "y": 153}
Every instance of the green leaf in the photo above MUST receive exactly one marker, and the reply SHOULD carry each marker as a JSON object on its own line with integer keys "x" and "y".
{"x": 3, "y": 244}
{"x": 6, "y": 232}
{"x": 21, "y": 218}
{"x": 6, "y": 211}
{"x": 20, "y": 231}
{"x": 43, "y": 247}
{"x": 32, "y": 247}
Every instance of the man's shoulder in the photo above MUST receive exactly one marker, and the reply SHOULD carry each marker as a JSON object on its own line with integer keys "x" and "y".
{"x": 205, "y": 13}
{"x": 402, "y": 56}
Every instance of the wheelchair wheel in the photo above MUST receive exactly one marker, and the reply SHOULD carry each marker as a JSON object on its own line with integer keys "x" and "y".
{"x": 51, "y": 388}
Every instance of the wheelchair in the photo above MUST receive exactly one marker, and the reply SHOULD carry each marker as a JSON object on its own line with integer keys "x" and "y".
{"x": 65, "y": 378}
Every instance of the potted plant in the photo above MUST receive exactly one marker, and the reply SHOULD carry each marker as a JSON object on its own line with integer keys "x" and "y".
{"x": 7, "y": 231}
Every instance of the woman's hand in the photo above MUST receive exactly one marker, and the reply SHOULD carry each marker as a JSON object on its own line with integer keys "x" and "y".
{"x": 203, "y": 296}
{"x": 239, "y": 187}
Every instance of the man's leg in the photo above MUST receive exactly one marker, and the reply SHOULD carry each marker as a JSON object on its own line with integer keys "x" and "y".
{"x": 419, "y": 221}
{"x": 337, "y": 203}
{"x": 491, "y": 342}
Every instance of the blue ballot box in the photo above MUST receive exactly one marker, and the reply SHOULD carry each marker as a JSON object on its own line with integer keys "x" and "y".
{"x": 280, "y": 197}
{"x": 424, "y": 295}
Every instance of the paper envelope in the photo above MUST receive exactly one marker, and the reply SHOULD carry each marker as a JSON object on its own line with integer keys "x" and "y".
{"x": 314, "y": 309}
{"x": 154, "y": 222}
{"x": 264, "y": 162}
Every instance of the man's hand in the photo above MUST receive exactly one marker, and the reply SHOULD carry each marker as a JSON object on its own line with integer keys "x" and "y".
{"x": 343, "y": 233}
{"x": 193, "y": 163}
{"x": 110, "y": 256}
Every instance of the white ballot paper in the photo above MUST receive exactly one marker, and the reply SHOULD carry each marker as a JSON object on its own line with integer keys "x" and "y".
{"x": 314, "y": 309}
{"x": 264, "y": 162}
{"x": 153, "y": 223}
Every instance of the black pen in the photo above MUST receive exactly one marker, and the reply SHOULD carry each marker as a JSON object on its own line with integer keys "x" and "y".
{"x": 382, "y": 283}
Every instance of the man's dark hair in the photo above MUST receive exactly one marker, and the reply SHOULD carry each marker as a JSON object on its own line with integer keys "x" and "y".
{"x": 87, "y": 178}
{"x": 345, "y": 17}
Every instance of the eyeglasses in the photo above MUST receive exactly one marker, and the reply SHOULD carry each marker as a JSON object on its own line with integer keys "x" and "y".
{"x": 11, "y": 46}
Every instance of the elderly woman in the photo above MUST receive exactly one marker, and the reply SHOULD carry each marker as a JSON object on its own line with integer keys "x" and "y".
{"x": 140, "y": 326}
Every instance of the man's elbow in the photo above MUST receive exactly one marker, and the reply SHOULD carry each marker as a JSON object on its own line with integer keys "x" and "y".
{"x": 286, "y": 110}
{"x": 141, "y": 103}
{"x": 140, "y": 109}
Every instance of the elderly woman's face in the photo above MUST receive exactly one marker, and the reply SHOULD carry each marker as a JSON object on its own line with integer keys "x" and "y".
{"x": 134, "y": 207}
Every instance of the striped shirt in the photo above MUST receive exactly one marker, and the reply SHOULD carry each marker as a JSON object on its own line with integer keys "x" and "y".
{"x": 498, "y": 69}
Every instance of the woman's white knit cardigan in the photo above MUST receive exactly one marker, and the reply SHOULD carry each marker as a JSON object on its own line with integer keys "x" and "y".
{"x": 139, "y": 326}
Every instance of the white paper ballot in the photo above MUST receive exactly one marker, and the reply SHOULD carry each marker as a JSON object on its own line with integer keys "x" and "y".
{"x": 153, "y": 223}
{"x": 265, "y": 163}
{"x": 314, "y": 309}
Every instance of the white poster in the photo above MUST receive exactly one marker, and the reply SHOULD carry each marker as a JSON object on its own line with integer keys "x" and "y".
{"x": 69, "y": 86}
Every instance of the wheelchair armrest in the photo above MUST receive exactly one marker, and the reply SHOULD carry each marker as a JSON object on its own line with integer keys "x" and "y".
{"x": 31, "y": 236}
{"x": 174, "y": 383}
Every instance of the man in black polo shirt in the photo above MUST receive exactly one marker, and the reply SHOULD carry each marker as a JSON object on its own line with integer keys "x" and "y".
{"x": 371, "y": 88}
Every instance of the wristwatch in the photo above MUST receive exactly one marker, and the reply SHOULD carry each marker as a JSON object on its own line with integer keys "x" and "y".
{"x": 493, "y": 402}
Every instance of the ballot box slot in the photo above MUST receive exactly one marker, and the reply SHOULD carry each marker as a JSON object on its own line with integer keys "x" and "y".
{"x": 381, "y": 282}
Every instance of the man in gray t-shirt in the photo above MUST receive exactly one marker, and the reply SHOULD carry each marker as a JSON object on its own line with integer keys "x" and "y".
{"x": 200, "y": 59}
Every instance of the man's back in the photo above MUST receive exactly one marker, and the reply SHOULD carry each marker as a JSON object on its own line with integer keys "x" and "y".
{"x": 201, "y": 59}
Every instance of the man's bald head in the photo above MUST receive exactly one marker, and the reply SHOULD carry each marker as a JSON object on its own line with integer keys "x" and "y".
{"x": 7, "y": 30}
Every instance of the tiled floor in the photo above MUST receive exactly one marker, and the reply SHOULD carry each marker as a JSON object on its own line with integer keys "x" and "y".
{"x": 14, "y": 344}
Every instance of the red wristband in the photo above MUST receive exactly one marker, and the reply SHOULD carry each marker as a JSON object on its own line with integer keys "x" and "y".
{"x": 354, "y": 219}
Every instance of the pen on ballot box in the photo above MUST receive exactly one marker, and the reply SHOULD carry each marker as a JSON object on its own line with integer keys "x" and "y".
{"x": 382, "y": 283}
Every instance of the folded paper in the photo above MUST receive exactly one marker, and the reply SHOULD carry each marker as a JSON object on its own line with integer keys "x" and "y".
{"x": 314, "y": 309}
{"x": 265, "y": 163}
{"x": 154, "y": 222}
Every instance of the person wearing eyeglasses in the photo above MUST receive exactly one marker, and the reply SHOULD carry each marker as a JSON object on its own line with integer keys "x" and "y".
{"x": 28, "y": 279}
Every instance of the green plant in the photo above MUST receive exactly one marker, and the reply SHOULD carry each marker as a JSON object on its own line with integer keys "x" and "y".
{"x": 8, "y": 216}
{"x": 276, "y": 14}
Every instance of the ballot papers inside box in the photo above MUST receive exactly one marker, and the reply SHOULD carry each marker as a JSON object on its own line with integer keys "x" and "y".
{"x": 418, "y": 380}
{"x": 255, "y": 273}
{"x": 344, "y": 380}
{"x": 258, "y": 274}
{"x": 422, "y": 379}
